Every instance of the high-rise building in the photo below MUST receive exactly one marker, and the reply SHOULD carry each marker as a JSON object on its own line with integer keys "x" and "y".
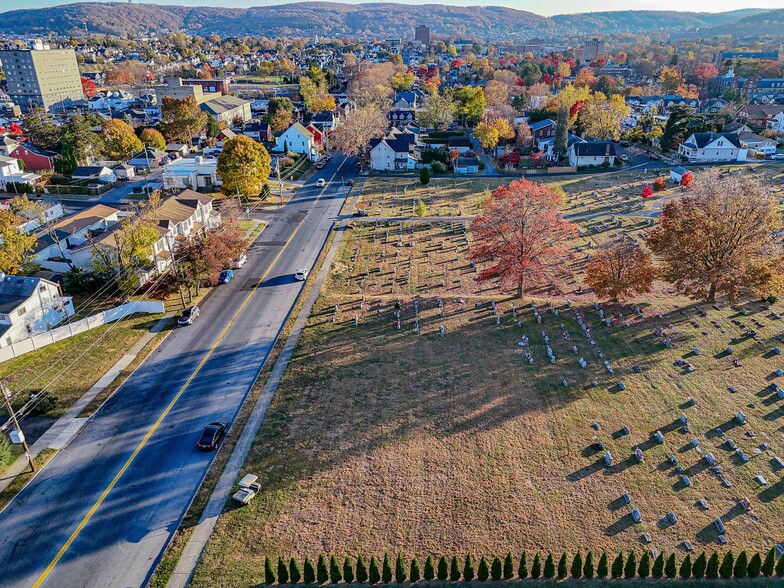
{"x": 592, "y": 48}
{"x": 42, "y": 76}
{"x": 422, "y": 34}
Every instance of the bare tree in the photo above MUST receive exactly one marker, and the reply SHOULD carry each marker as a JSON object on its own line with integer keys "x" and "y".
{"x": 352, "y": 136}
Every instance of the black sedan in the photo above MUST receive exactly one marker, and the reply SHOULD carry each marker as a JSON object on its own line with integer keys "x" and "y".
{"x": 211, "y": 436}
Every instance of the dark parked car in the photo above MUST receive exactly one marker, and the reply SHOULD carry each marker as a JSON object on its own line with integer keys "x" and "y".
{"x": 211, "y": 436}
{"x": 188, "y": 315}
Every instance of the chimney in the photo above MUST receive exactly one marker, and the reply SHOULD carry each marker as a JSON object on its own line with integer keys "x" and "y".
{"x": 607, "y": 150}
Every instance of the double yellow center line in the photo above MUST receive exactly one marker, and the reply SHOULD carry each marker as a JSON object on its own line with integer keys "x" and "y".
{"x": 86, "y": 519}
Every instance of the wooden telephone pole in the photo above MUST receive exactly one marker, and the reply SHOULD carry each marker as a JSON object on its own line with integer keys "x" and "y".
{"x": 12, "y": 414}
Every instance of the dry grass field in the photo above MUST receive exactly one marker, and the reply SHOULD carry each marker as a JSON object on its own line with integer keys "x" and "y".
{"x": 384, "y": 439}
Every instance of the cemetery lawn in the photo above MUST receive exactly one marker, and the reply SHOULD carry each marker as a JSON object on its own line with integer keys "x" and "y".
{"x": 379, "y": 439}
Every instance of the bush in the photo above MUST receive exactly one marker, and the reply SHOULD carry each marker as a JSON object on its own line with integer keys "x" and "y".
{"x": 617, "y": 567}
{"x": 45, "y": 403}
{"x": 657, "y": 571}
{"x": 508, "y": 567}
{"x": 644, "y": 569}
{"x": 362, "y": 573}
{"x": 334, "y": 570}
{"x": 295, "y": 573}
{"x": 712, "y": 570}
{"x": 468, "y": 569}
{"x": 386, "y": 570}
{"x": 348, "y": 570}
{"x": 483, "y": 572}
{"x": 496, "y": 569}
{"x": 685, "y": 571}
{"x": 454, "y": 569}
{"x": 769, "y": 565}
{"x": 698, "y": 569}
{"x": 725, "y": 570}
{"x": 588, "y": 567}
{"x": 443, "y": 569}
{"x": 549, "y": 567}
{"x": 671, "y": 567}
{"x": 420, "y": 208}
{"x": 536, "y": 568}
{"x": 322, "y": 574}
{"x": 437, "y": 167}
{"x": 741, "y": 565}
{"x": 659, "y": 184}
{"x": 374, "y": 577}
{"x": 308, "y": 573}
{"x": 415, "y": 574}
{"x": 755, "y": 565}
{"x": 780, "y": 568}
{"x": 577, "y": 565}
{"x": 283, "y": 571}
{"x": 269, "y": 573}
{"x": 400, "y": 569}
{"x": 630, "y": 570}
{"x": 522, "y": 569}
{"x": 562, "y": 567}
{"x": 602, "y": 570}
{"x": 430, "y": 570}
{"x": 424, "y": 176}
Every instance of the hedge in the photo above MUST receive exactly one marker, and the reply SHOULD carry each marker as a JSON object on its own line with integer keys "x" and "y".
{"x": 509, "y": 567}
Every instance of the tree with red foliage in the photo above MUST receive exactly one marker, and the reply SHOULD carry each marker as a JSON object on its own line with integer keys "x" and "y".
{"x": 575, "y": 108}
{"x": 538, "y": 159}
{"x": 456, "y": 63}
{"x": 521, "y": 234}
{"x": 14, "y": 129}
{"x": 705, "y": 72}
{"x": 88, "y": 87}
{"x": 547, "y": 79}
{"x": 647, "y": 191}
{"x": 618, "y": 269}
{"x": 509, "y": 160}
{"x": 687, "y": 179}
{"x": 659, "y": 184}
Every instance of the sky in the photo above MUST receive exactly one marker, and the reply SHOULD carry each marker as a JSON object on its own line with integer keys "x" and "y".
{"x": 543, "y": 7}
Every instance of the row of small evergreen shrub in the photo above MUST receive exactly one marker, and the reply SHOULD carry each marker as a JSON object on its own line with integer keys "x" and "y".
{"x": 540, "y": 566}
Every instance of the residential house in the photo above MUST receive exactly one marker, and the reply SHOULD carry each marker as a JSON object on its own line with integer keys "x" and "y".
{"x": 100, "y": 173}
{"x": 670, "y": 100}
{"x": 677, "y": 173}
{"x": 178, "y": 149}
{"x": 325, "y": 120}
{"x": 409, "y": 100}
{"x": 462, "y": 143}
{"x": 7, "y": 145}
{"x": 196, "y": 173}
{"x": 736, "y": 127}
{"x": 706, "y": 147}
{"x": 764, "y": 90}
{"x": 468, "y": 163}
{"x": 31, "y": 219}
{"x": 34, "y": 158}
{"x": 400, "y": 117}
{"x": 757, "y": 116}
{"x": 30, "y": 306}
{"x": 148, "y": 159}
{"x": 69, "y": 241}
{"x": 227, "y": 109}
{"x": 644, "y": 104}
{"x": 11, "y": 175}
{"x": 776, "y": 123}
{"x": 543, "y": 129}
{"x": 123, "y": 171}
{"x": 757, "y": 144}
{"x": 591, "y": 153}
{"x": 393, "y": 154}
{"x": 296, "y": 139}
{"x": 713, "y": 106}
{"x": 258, "y": 131}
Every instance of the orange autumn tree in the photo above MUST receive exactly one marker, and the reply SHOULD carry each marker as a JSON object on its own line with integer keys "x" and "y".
{"x": 521, "y": 234}
{"x": 659, "y": 184}
{"x": 619, "y": 269}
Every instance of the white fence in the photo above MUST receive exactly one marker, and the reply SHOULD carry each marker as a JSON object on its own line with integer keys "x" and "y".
{"x": 82, "y": 325}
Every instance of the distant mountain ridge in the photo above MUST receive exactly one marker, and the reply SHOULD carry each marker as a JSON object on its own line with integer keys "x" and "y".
{"x": 370, "y": 20}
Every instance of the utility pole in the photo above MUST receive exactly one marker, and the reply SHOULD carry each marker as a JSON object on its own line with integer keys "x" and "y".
{"x": 280, "y": 184}
{"x": 12, "y": 414}
{"x": 177, "y": 272}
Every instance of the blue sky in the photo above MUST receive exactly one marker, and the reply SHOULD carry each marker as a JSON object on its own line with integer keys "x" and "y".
{"x": 545, "y": 7}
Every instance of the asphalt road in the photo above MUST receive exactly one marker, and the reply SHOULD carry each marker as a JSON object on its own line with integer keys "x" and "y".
{"x": 103, "y": 509}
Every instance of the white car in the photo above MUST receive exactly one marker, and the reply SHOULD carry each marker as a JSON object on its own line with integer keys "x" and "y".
{"x": 301, "y": 274}
{"x": 239, "y": 262}
{"x": 777, "y": 156}
{"x": 624, "y": 157}
{"x": 321, "y": 183}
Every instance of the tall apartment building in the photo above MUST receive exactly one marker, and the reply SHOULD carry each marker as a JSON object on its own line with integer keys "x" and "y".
{"x": 42, "y": 76}
{"x": 422, "y": 34}
{"x": 593, "y": 48}
{"x": 179, "y": 88}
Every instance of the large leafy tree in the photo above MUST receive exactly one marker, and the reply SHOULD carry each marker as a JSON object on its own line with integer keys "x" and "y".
{"x": 40, "y": 128}
{"x": 361, "y": 125}
{"x": 619, "y": 269}
{"x": 720, "y": 239}
{"x": 15, "y": 245}
{"x": 521, "y": 234}
{"x": 438, "y": 112}
{"x": 120, "y": 139}
{"x": 601, "y": 117}
{"x": 471, "y": 103}
{"x": 80, "y": 145}
{"x": 88, "y": 87}
{"x": 182, "y": 119}
{"x": 315, "y": 97}
{"x": 152, "y": 138}
{"x": 682, "y": 122}
{"x": 244, "y": 166}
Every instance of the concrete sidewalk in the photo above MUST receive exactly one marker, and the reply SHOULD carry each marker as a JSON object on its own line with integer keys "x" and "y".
{"x": 191, "y": 555}
{"x": 69, "y": 425}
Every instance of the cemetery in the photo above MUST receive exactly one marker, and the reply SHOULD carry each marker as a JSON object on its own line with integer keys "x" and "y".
{"x": 426, "y": 413}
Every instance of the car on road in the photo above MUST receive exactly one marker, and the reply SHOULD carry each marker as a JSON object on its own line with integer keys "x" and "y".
{"x": 188, "y": 315}
{"x": 624, "y": 143}
{"x": 225, "y": 276}
{"x": 301, "y": 274}
{"x": 321, "y": 183}
{"x": 239, "y": 262}
{"x": 777, "y": 156}
{"x": 211, "y": 436}
{"x": 654, "y": 157}
{"x": 349, "y": 182}
{"x": 624, "y": 157}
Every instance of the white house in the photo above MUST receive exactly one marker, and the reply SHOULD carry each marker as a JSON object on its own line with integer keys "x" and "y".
{"x": 677, "y": 173}
{"x": 11, "y": 173}
{"x": 591, "y": 153}
{"x": 30, "y": 306}
{"x": 704, "y": 147}
{"x": 195, "y": 173}
{"x": 776, "y": 123}
{"x": 392, "y": 154}
{"x": 298, "y": 139}
{"x": 31, "y": 219}
{"x": 757, "y": 143}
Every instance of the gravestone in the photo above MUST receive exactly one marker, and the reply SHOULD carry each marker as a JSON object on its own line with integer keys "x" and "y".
{"x": 659, "y": 437}
{"x": 639, "y": 455}
{"x": 740, "y": 417}
{"x": 636, "y": 515}
{"x": 671, "y": 518}
{"x": 608, "y": 458}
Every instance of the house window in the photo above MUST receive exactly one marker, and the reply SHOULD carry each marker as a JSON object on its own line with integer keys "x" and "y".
{"x": 21, "y": 311}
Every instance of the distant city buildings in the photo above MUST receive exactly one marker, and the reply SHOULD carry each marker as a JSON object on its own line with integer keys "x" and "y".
{"x": 593, "y": 48}
{"x": 180, "y": 89}
{"x": 40, "y": 76}
{"x": 422, "y": 34}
